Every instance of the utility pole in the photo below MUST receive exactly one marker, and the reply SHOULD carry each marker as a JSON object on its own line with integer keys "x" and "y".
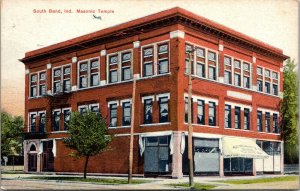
{"x": 131, "y": 133}
{"x": 190, "y": 135}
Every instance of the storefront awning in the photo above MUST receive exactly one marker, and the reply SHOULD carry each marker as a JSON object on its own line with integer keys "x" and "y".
{"x": 242, "y": 147}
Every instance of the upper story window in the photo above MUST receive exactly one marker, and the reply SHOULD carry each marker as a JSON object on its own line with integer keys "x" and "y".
{"x": 259, "y": 85}
{"x": 201, "y": 111}
{"x": 126, "y": 113}
{"x": 246, "y": 119}
{"x": 212, "y": 114}
{"x": 67, "y": 117}
{"x": 89, "y": 73}
{"x": 227, "y": 116}
{"x": 246, "y": 82}
{"x": 148, "y": 111}
{"x": 259, "y": 71}
{"x": 259, "y": 121}
{"x": 163, "y": 109}
{"x": 275, "y": 123}
{"x": 237, "y": 79}
{"x": 42, "y": 116}
{"x": 267, "y": 73}
{"x": 56, "y": 120}
{"x": 268, "y": 120}
{"x": 42, "y": 84}
{"x": 62, "y": 78}
{"x": 200, "y": 69}
{"x": 33, "y": 85}
{"x": 237, "y": 117}
{"x": 113, "y": 114}
{"x": 119, "y": 66}
{"x": 237, "y": 64}
{"x": 32, "y": 124}
{"x": 212, "y": 73}
{"x": 91, "y": 107}
{"x": 155, "y": 59}
{"x": 267, "y": 87}
{"x": 275, "y": 89}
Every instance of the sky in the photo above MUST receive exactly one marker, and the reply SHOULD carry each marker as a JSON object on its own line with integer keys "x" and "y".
{"x": 274, "y": 22}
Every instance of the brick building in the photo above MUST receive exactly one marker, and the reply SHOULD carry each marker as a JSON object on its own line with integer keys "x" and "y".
{"x": 237, "y": 88}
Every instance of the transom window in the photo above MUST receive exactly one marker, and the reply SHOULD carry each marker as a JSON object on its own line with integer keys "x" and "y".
{"x": 246, "y": 66}
{"x": 113, "y": 59}
{"x": 163, "y": 49}
{"x": 212, "y": 56}
{"x": 200, "y": 52}
{"x": 267, "y": 73}
{"x": 227, "y": 61}
{"x": 237, "y": 64}
{"x": 259, "y": 71}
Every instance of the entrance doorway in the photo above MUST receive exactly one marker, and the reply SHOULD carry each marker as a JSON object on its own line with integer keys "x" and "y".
{"x": 32, "y": 159}
{"x": 47, "y": 156}
{"x": 157, "y": 158}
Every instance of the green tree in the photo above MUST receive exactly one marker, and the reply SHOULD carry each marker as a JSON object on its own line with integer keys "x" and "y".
{"x": 88, "y": 135}
{"x": 289, "y": 110}
{"x": 12, "y": 134}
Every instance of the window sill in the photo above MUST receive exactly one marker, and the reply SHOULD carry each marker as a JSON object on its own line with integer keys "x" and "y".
{"x": 234, "y": 129}
{"x": 154, "y": 76}
{"x": 55, "y": 132}
{"x": 155, "y": 124}
{"x": 195, "y": 124}
{"x": 119, "y": 127}
{"x": 269, "y": 133}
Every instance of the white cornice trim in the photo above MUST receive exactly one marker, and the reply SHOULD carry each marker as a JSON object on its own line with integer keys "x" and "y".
{"x": 177, "y": 34}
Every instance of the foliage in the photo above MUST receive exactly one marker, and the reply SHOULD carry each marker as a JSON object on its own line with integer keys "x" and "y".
{"x": 262, "y": 180}
{"x": 289, "y": 110}
{"x": 113, "y": 181}
{"x": 12, "y": 134}
{"x": 88, "y": 135}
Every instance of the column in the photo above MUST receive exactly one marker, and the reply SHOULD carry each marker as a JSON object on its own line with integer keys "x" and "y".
{"x": 25, "y": 146}
{"x": 221, "y": 61}
{"x": 74, "y": 73}
{"x": 177, "y": 156}
{"x": 221, "y": 170}
{"x": 254, "y": 167}
{"x": 103, "y": 66}
{"x": 26, "y": 122}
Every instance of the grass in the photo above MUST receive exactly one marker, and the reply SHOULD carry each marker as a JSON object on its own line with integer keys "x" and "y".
{"x": 197, "y": 186}
{"x": 261, "y": 180}
{"x": 91, "y": 180}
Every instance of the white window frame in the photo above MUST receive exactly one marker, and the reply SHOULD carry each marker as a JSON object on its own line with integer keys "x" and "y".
{"x": 29, "y": 120}
{"x": 89, "y": 73}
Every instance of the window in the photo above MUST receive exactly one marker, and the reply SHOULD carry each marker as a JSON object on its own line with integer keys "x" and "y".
{"x": 42, "y": 84}
{"x": 33, "y": 81}
{"x": 227, "y": 77}
{"x": 267, "y": 86}
{"x": 33, "y": 122}
{"x": 237, "y": 118}
{"x": 113, "y": 115}
{"x": 227, "y": 61}
{"x": 162, "y": 49}
{"x": 94, "y": 79}
{"x": 259, "y": 121}
{"x": 275, "y": 89}
{"x": 126, "y": 113}
{"x": 126, "y": 57}
{"x": 237, "y": 79}
{"x": 275, "y": 123}
{"x": 212, "y": 114}
{"x": 246, "y": 82}
{"x": 94, "y": 108}
{"x": 200, "y": 52}
{"x": 200, "y": 117}
{"x": 148, "y": 69}
{"x": 237, "y": 64}
{"x": 148, "y": 110}
{"x": 67, "y": 85}
{"x": 42, "y": 89}
{"x": 42, "y": 122}
{"x": 186, "y": 109}
{"x": 163, "y": 109}
{"x": 82, "y": 110}
{"x": 246, "y": 67}
{"x": 57, "y": 72}
{"x": 148, "y": 52}
{"x": 267, "y": 116}
{"x": 246, "y": 119}
{"x": 163, "y": 66}
{"x": 212, "y": 56}
{"x": 227, "y": 116}
{"x": 113, "y": 76}
{"x": 67, "y": 70}
{"x": 57, "y": 87}
{"x": 126, "y": 73}
{"x": 267, "y": 73}
{"x": 259, "y": 71}
{"x": 113, "y": 60}
{"x": 82, "y": 82}
{"x": 67, "y": 116}
{"x": 56, "y": 120}
{"x": 275, "y": 75}
{"x": 259, "y": 85}
{"x": 212, "y": 73}
{"x": 200, "y": 69}
{"x": 188, "y": 48}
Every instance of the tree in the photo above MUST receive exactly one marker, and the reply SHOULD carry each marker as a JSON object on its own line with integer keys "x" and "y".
{"x": 289, "y": 110}
{"x": 12, "y": 134}
{"x": 88, "y": 135}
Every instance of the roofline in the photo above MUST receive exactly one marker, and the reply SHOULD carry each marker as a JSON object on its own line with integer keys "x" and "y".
{"x": 147, "y": 19}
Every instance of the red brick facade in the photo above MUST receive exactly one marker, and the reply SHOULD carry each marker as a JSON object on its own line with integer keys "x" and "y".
{"x": 178, "y": 29}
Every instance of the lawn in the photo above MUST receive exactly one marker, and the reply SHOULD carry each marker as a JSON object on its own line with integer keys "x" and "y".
{"x": 91, "y": 180}
{"x": 197, "y": 186}
{"x": 262, "y": 180}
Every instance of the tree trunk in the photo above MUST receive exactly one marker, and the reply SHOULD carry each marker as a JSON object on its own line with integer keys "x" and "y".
{"x": 85, "y": 166}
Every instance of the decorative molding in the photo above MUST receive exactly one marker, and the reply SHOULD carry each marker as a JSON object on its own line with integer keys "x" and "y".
{"x": 205, "y": 99}
{"x": 102, "y": 82}
{"x": 136, "y": 44}
{"x": 113, "y": 102}
{"x": 162, "y": 95}
{"x": 268, "y": 110}
{"x": 253, "y": 59}
{"x": 74, "y": 59}
{"x": 148, "y": 97}
{"x": 49, "y": 66}
{"x": 254, "y": 87}
{"x": 126, "y": 100}
{"x": 242, "y": 106}
{"x": 177, "y": 34}
{"x": 221, "y": 79}
{"x": 103, "y": 53}
{"x": 27, "y": 71}
{"x": 281, "y": 95}
{"x": 74, "y": 88}
{"x": 239, "y": 95}
{"x": 136, "y": 76}
{"x": 221, "y": 47}
{"x": 49, "y": 92}
{"x": 281, "y": 69}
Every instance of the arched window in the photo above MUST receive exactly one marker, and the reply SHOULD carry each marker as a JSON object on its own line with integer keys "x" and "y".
{"x": 32, "y": 148}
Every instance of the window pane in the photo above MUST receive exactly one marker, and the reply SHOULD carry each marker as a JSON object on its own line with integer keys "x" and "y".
{"x": 94, "y": 64}
{"x": 57, "y": 87}
{"x": 246, "y": 66}
{"x": 237, "y": 117}
{"x": 113, "y": 59}
{"x": 67, "y": 85}
{"x": 275, "y": 89}
{"x": 163, "y": 48}
{"x": 163, "y": 110}
{"x": 200, "y": 117}
{"x": 246, "y": 119}
{"x": 212, "y": 73}
{"x": 126, "y": 73}
{"x": 32, "y": 122}
{"x": 227, "y": 77}
{"x": 113, "y": 115}
{"x": 212, "y": 113}
{"x": 33, "y": 78}
{"x": 259, "y": 86}
{"x": 56, "y": 120}
{"x": 42, "y": 122}
{"x": 57, "y": 73}
{"x": 227, "y": 61}
{"x": 113, "y": 76}
{"x": 211, "y": 56}
{"x": 259, "y": 121}
{"x": 237, "y": 80}
{"x": 227, "y": 116}
{"x": 82, "y": 82}
{"x": 42, "y": 76}
{"x": 246, "y": 82}
{"x": 94, "y": 79}
{"x": 148, "y": 109}
{"x": 126, "y": 113}
{"x": 148, "y": 52}
{"x": 67, "y": 70}
{"x": 267, "y": 116}
{"x": 126, "y": 57}
{"x": 267, "y": 87}
{"x": 259, "y": 71}
{"x": 200, "y": 70}
{"x": 163, "y": 66}
{"x": 200, "y": 52}
{"x": 148, "y": 69}
{"x": 237, "y": 64}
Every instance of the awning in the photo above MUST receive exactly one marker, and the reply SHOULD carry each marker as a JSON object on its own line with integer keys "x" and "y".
{"x": 242, "y": 147}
